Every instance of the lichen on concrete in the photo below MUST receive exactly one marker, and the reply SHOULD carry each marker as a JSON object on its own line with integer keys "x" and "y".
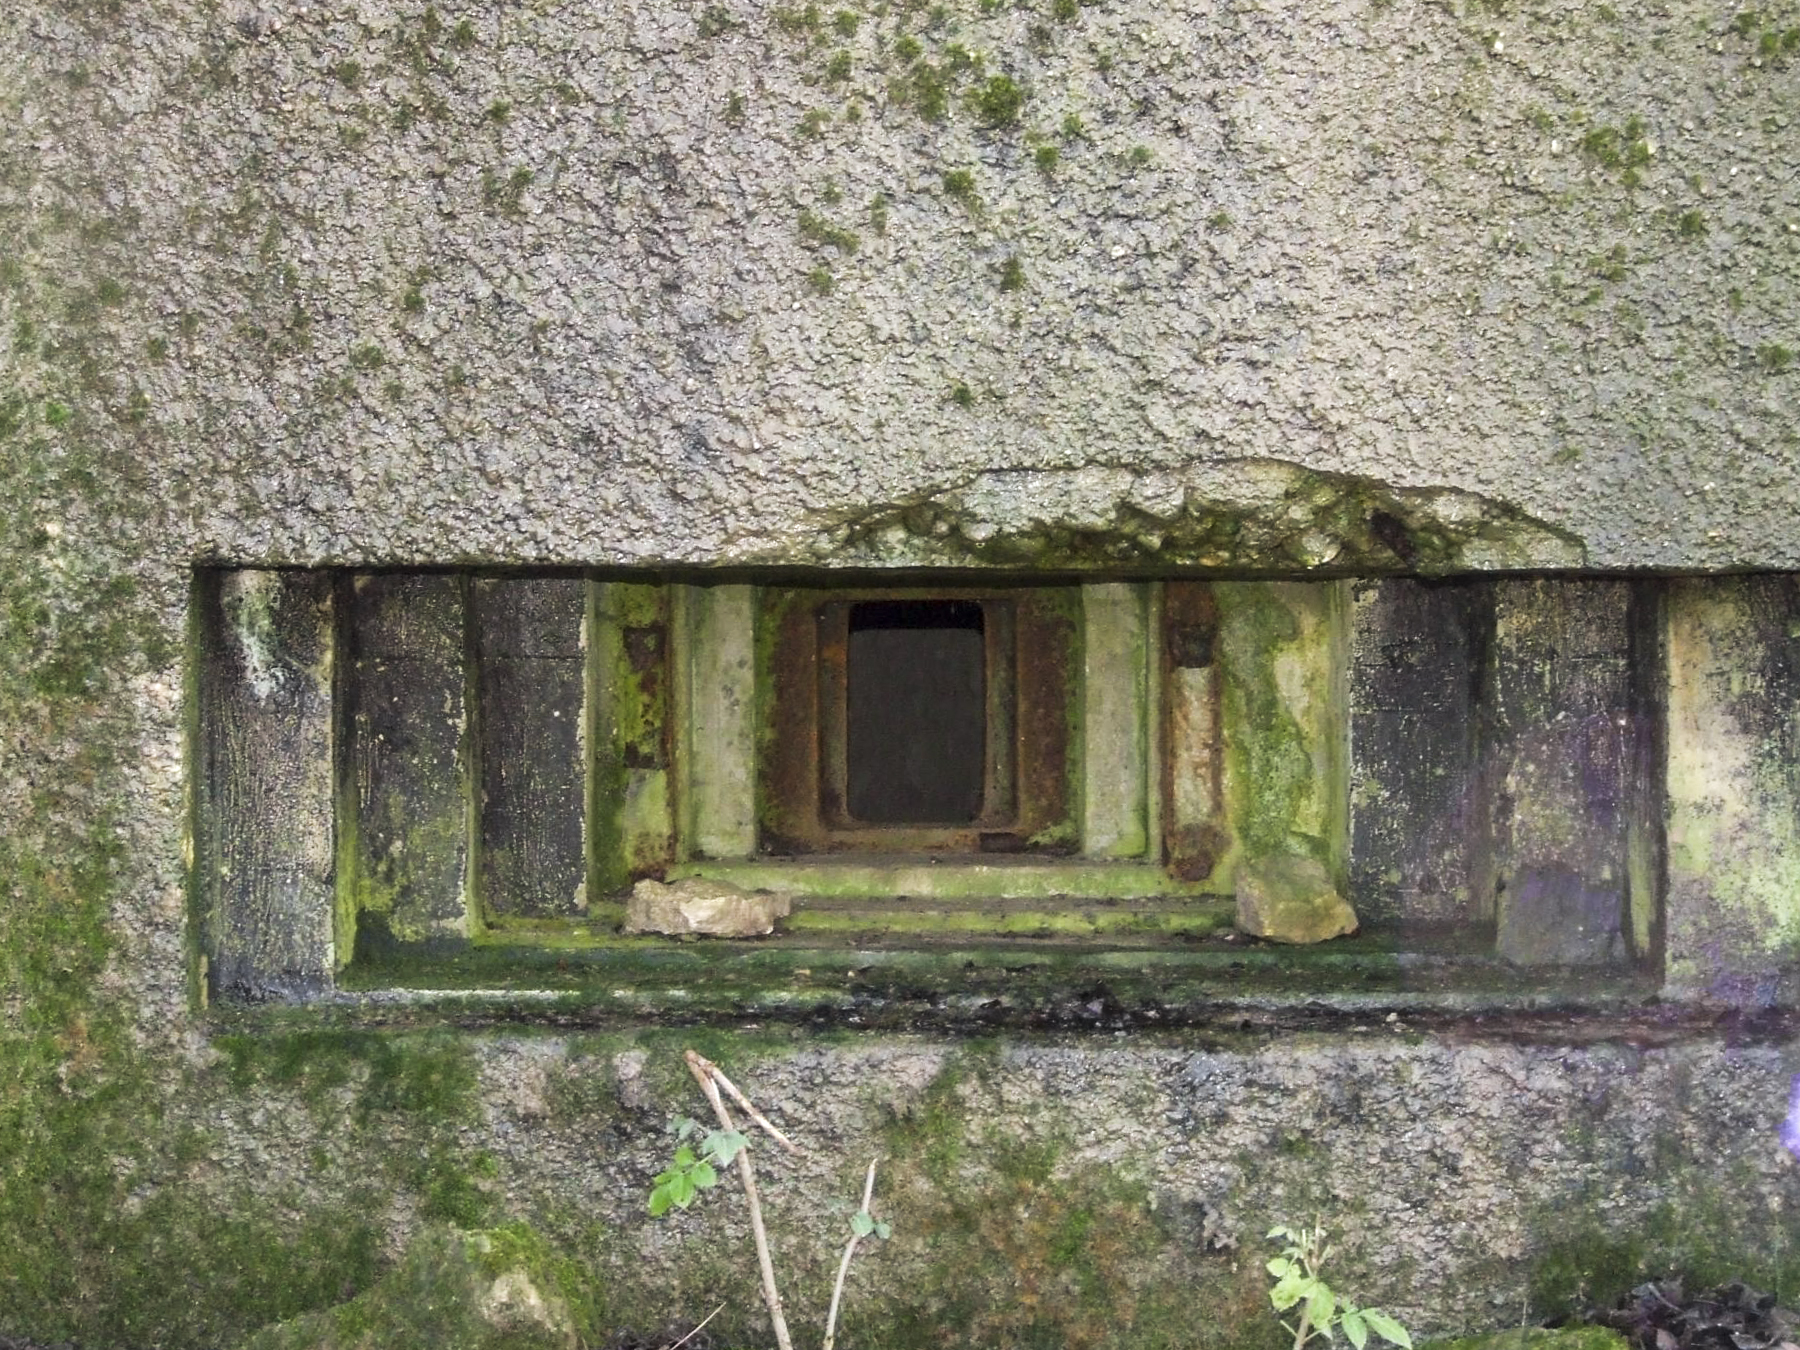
{"x": 284, "y": 287}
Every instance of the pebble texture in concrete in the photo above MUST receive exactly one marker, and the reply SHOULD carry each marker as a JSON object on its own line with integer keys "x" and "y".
{"x": 630, "y": 283}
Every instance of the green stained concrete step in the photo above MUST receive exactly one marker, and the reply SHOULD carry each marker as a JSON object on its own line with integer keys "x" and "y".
{"x": 924, "y": 877}
{"x": 1009, "y": 917}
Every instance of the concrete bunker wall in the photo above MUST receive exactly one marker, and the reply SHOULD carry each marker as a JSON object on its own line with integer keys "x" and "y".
{"x": 1208, "y": 291}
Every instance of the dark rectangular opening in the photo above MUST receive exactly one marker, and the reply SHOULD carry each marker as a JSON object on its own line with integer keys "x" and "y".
{"x": 916, "y": 714}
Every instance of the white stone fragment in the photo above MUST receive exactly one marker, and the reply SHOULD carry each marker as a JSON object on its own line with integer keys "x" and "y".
{"x": 696, "y": 905}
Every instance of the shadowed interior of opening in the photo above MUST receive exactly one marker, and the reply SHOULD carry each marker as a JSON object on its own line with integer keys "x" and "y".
{"x": 916, "y": 720}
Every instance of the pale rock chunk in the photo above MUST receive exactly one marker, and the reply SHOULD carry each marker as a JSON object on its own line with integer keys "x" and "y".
{"x": 708, "y": 908}
{"x": 1290, "y": 898}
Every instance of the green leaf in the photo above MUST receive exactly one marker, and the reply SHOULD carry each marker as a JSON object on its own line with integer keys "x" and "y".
{"x": 861, "y": 1223}
{"x": 1321, "y": 1303}
{"x": 684, "y": 1126}
{"x": 1387, "y": 1328}
{"x": 681, "y": 1189}
{"x": 703, "y": 1176}
{"x": 659, "y": 1202}
{"x": 1279, "y": 1232}
{"x": 1355, "y": 1328}
{"x": 884, "y": 1230}
{"x": 1280, "y": 1267}
{"x": 1289, "y": 1291}
{"x": 684, "y": 1157}
{"x": 724, "y": 1145}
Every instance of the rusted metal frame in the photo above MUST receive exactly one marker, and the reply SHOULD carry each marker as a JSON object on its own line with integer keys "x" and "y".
{"x": 1000, "y": 629}
{"x": 1048, "y": 743}
{"x": 803, "y": 759}
{"x": 997, "y": 810}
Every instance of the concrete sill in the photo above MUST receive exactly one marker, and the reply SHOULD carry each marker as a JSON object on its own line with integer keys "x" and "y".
{"x": 952, "y": 980}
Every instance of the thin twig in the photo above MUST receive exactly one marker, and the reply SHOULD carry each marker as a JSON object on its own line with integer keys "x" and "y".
{"x": 704, "y": 1073}
{"x": 837, "y": 1290}
{"x": 694, "y": 1057}
{"x": 697, "y": 1330}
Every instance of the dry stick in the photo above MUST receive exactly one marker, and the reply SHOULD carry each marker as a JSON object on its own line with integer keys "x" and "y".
{"x": 696, "y": 1059}
{"x": 837, "y": 1290}
{"x": 703, "y": 1072}
{"x": 697, "y": 1330}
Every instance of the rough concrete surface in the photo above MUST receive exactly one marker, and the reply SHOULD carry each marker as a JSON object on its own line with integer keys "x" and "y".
{"x": 1369, "y": 287}
{"x": 537, "y": 289}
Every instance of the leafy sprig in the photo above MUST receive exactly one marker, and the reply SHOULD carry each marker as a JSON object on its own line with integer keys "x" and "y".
{"x": 691, "y": 1172}
{"x": 1298, "y": 1283}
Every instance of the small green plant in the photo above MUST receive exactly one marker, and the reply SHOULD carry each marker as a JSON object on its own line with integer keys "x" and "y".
{"x": 1073, "y": 129}
{"x": 908, "y": 48}
{"x": 734, "y": 109}
{"x": 799, "y": 21}
{"x": 1299, "y": 1283}
{"x": 821, "y": 281}
{"x": 505, "y": 194}
{"x": 998, "y": 101}
{"x": 1691, "y": 225}
{"x": 837, "y": 70}
{"x": 1773, "y": 357}
{"x": 1140, "y": 156}
{"x": 960, "y": 184}
{"x": 1047, "y": 157}
{"x": 878, "y": 213}
{"x": 815, "y": 229}
{"x": 1012, "y": 275}
{"x": 689, "y": 1172}
{"x": 814, "y": 123}
{"x": 715, "y": 21}
{"x": 846, "y": 22}
{"x": 961, "y": 395}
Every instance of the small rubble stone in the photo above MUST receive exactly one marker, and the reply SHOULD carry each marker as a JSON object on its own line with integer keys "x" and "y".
{"x": 709, "y": 908}
{"x": 1290, "y": 898}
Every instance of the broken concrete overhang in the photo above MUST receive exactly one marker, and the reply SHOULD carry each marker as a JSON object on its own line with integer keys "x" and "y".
{"x": 1257, "y": 515}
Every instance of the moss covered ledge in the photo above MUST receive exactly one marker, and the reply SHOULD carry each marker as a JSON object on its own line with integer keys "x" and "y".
{"x": 962, "y": 984}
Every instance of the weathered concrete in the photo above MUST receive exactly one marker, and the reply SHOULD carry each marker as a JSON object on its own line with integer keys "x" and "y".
{"x": 1115, "y": 721}
{"x": 538, "y": 293}
{"x": 1733, "y": 907}
{"x": 267, "y": 789}
{"x": 717, "y": 717}
{"x": 1563, "y": 752}
{"x": 1267, "y": 291}
{"x": 532, "y": 683}
{"x": 1418, "y": 813}
{"x": 1282, "y": 657}
{"x": 406, "y": 813}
